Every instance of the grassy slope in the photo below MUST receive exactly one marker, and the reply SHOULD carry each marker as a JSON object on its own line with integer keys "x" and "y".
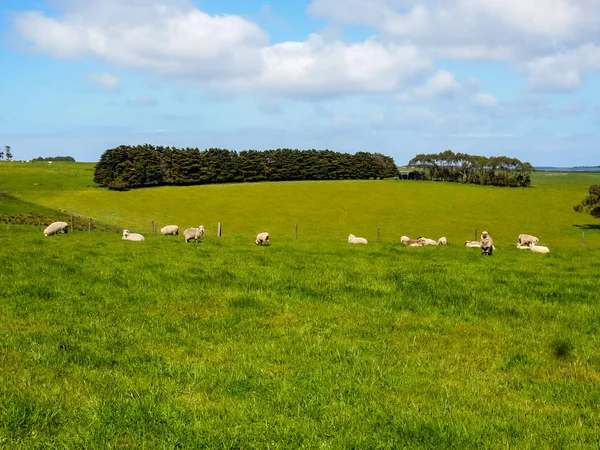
{"x": 323, "y": 210}
{"x": 314, "y": 343}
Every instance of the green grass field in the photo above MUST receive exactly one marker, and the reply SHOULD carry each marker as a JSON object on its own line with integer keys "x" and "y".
{"x": 309, "y": 343}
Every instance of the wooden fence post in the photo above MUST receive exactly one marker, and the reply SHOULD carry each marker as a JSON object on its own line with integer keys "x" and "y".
{"x": 296, "y": 231}
{"x": 475, "y": 234}
{"x": 89, "y": 227}
{"x": 153, "y": 228}
{"x": 378, "y": 234}
{"x": 219, "y": 229}
{"x": 582, "y": 239}
{"x": 72, "y": 229}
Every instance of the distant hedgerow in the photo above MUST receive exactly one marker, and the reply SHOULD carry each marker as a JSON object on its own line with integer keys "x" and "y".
{"x": 127, "y": 167}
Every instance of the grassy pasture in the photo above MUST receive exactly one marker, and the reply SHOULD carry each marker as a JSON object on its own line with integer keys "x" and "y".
{"x": 323, "y": 210}
{"x": 306, "y": 344}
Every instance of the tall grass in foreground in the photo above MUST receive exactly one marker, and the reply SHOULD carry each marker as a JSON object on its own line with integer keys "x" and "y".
{"x": 162, "y": 344}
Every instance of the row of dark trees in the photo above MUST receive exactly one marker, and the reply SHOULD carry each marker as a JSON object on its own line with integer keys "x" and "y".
{"x": 54, "y": 158}
{"x": 127, "y": 167}
{"x": 463, "y": 168}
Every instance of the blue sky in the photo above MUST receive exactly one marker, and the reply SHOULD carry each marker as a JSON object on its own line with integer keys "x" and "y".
{"x": 400, "y": 77}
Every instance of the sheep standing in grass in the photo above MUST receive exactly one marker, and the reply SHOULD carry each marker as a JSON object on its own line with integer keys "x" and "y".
{"x": 487, "y": 243}
{"x": 193, "y": 233}
{"x": 263, "y": 239}
{"x": 356, "y": 240}
{"x": 170, "y": 230}
{"x": 56, "y": 227}
{"x": 128, "y": 236}
{"x": 442, "y": 241}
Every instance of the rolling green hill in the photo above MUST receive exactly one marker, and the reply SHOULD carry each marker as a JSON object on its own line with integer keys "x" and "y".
{"x": 323, "y": 210}
{"x": 314, "y": 343}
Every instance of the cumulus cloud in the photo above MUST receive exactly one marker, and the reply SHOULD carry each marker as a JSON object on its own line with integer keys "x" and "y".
{"x": 442, "y": 84}
{"x": 226, "y": 52}
{"x": 105, "y": 81}
{"x": 538, "y": 36}
{"x": 484, "y": 99}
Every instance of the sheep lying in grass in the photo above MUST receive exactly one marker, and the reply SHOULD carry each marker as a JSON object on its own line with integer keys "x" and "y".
{"x": 539, "y": 249}
{"x": 263, "y": 239}
{"x": 522, "y": 247}
{"x": 128, "y": 236}
{"x": 356, "y": 240}
{"x": 442, "y": 241}
{"x": 193, "y": 233}
{"x": 526, "y": 239}
{"x": 473, "y": 244}
{"x": 411, "y": 242}
{"x": 427, "y": 241}
{"x": 56, "y": 227}
{"x": 170, "y": 230}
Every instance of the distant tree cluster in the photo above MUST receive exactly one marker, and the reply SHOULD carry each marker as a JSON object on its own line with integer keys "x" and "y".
{"x": 6, "y": 153}
{"x": 591, "y": 204}
{"x": 127, "y": 167}
{"x": 463, "y": 168}
{"x": 55, "y": 158}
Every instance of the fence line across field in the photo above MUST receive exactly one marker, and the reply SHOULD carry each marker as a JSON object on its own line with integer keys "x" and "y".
{"x": 154, "y": 227}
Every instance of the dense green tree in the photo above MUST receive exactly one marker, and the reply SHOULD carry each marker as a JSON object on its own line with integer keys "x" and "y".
{"x": 591, "y": 204}
{"x": 463, "y": 168}
{"x": 126, "y": 167}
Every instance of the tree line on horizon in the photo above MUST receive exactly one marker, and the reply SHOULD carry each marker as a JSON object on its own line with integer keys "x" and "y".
{"x": 464, "y": 168}
{"x": 128, "y": 167}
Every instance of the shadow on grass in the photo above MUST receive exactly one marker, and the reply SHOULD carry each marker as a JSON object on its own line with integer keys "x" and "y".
{"x": 588, "y": 226}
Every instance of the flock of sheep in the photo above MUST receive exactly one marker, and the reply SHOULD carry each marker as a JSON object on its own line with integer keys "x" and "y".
{"x": 486, "y": 243}
{"x": 189, "y": 234}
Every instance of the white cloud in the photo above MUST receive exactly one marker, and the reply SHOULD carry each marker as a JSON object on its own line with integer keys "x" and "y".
{"x": 171, "y": 40}
{"x": 563, "y": 71}
{"x": 228, "y": 53}
{"x": 317, "y": 67}
{"x": 442, "y": 84}
{"x": 484, "y": 99}
{"x": 106, "y": 81}
{"x": 535, "y": 35}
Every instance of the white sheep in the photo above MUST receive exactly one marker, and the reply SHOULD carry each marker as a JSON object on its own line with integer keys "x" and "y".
{"x": 170, "y": 230}
{"x": 442, "y": 241}
{"x": 411, "y": 242}
{"x": 193, "y": 233}
{"x": 263, "y": 239}
{"x": 56, "y": 227}
{"x": 473, "y": 244}
{"x": 526, "y": 239}
{"x": 427, "y": 241}
{"x": 356, "y": 240}
{"x": 128, "y": 236}
{"x": 522, "y": 247}
{"x": 539, "y": 249}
